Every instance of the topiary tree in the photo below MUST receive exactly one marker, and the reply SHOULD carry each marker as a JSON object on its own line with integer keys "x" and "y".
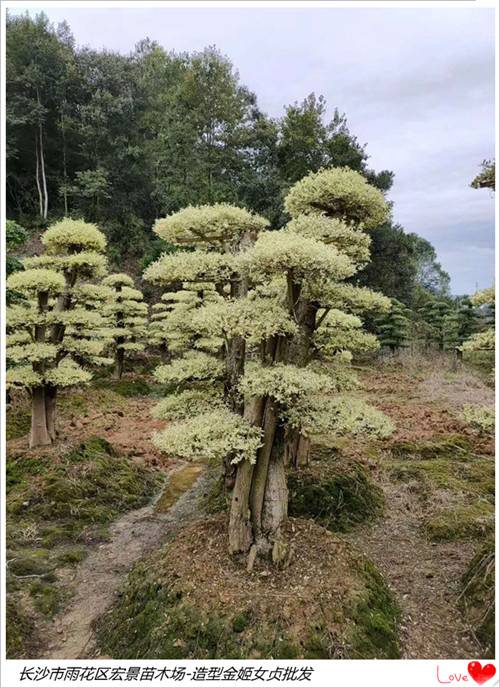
{"x": 53, "y": 334}
{"x": 442, "y": 324}
{"x": 286, "y": 323}
{"x": 126, "y": 316}
{"x": 486, "y": 178}
{"x": 484, "y": 340}
{"x": 170, "y": 327}
{"x": 393, "y": 328}
{"x": 34, "y": 359}
{"x": 15, "y": 236}
{"x": 467, "y": 320}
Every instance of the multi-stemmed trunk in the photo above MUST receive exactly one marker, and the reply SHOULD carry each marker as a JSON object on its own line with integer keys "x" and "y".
{"x": 296, "y": 446}
{"x": 259, "y": 502}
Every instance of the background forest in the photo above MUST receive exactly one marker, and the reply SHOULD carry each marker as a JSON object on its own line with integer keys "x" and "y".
{"x": 122, "y": 140}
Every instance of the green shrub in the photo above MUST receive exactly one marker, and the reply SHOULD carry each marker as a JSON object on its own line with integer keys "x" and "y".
{"x": 337, "y": 496}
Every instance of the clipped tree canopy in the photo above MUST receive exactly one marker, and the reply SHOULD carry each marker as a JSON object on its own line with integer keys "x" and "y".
{"x": 307, "y": 258}
{"x": 340, "y": 416}
{"x": 285, "y": 383}
{"x": 338, "y": 192}
{"x": 119, "y": 279}
{"x": 216, "y": 224}
{"x": 255, "y": 318}
{"x": 36, "y": 281}
{"x": 71, "y": 236}
{"x": 194, "y": 366}
{"x": 192, "y": 267}
{"x": 329, "y": 230}
{"x": 483, "y": 297}
{"x": 211, "y": 436}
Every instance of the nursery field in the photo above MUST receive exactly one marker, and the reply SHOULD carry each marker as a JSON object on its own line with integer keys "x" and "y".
{"x": 250, "y": 415}
{"x": 96, "y": 521}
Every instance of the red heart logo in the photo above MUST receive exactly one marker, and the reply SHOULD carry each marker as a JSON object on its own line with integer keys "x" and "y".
{"x": 479, "y": 673}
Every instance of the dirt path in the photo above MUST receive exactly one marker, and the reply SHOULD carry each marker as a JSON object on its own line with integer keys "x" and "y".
{"x": 424, "y": 577}
{"x": 101, "y": 574}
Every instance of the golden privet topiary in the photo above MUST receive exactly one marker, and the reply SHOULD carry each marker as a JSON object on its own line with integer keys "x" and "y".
{"x": 282, "y": 323}
{"x": 55, "y": 332}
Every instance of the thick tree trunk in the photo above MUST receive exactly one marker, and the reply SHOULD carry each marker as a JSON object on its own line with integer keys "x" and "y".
{"x": 39, "y": 433}
{"x": 235, "y": 366}
{"x": 119, "y": 361}
{"x": 275, "y": 507}
{"x": 297, "y": 449}
{"x": 259, "y": 501}
{"x": 50, "y": 410}
{"x": 260, "y": 496}
{"x": 240, "y": 517}
{"x": 296, "y": 446}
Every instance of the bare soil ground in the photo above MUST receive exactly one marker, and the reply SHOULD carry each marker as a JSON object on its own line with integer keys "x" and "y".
{"x": 424, "y": 575}
{"x": 424, "y": 402}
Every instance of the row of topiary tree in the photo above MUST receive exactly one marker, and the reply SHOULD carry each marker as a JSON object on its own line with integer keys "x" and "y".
{"x": 442, "y": 325}
{"x": 68, "y": 316}
{"x": 257, "y": 331}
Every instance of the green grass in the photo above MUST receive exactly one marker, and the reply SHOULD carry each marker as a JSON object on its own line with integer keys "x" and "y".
{"x": 461, "y": 521}
{"x": 90, "y": 484}
{"x": 376, "y": 617}
{"x": 338, "y": 494}
{"x": 18, "y": 421}
{"x": 448, "y": 466}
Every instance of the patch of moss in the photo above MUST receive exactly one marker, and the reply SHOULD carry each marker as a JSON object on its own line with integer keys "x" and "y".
{"x": 47, "y": 598}
{"x": 376, "y": 616}
{"x": 453, "y": 447}
{"x": 31, "y": 563}
{"x": 90, "y": 484}
{"x": 242, "y": 620}
{"x": 80, "y": 402}
{"x": 461, "y": 521}
{"x": 178, "y": 482}
{"x": 475, "y": 478}
{"x": 477, "y": 598}
{"x": 215, "y": 500}
{"x": 448, "y": 465}
{"x": 338, "y": 496}
{"x": 54, "y": 503}
{"x": 18, "y": 422}
{"x": 127, "y": 387}
{"x": 71, "y": 555}
{"x": 155, "y": 616}
{"x": 152, "y": 621}
{"x": 20, "y": 627}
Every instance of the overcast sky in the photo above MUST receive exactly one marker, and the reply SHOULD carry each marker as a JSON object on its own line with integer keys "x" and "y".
{"x": 417, "y": 86}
